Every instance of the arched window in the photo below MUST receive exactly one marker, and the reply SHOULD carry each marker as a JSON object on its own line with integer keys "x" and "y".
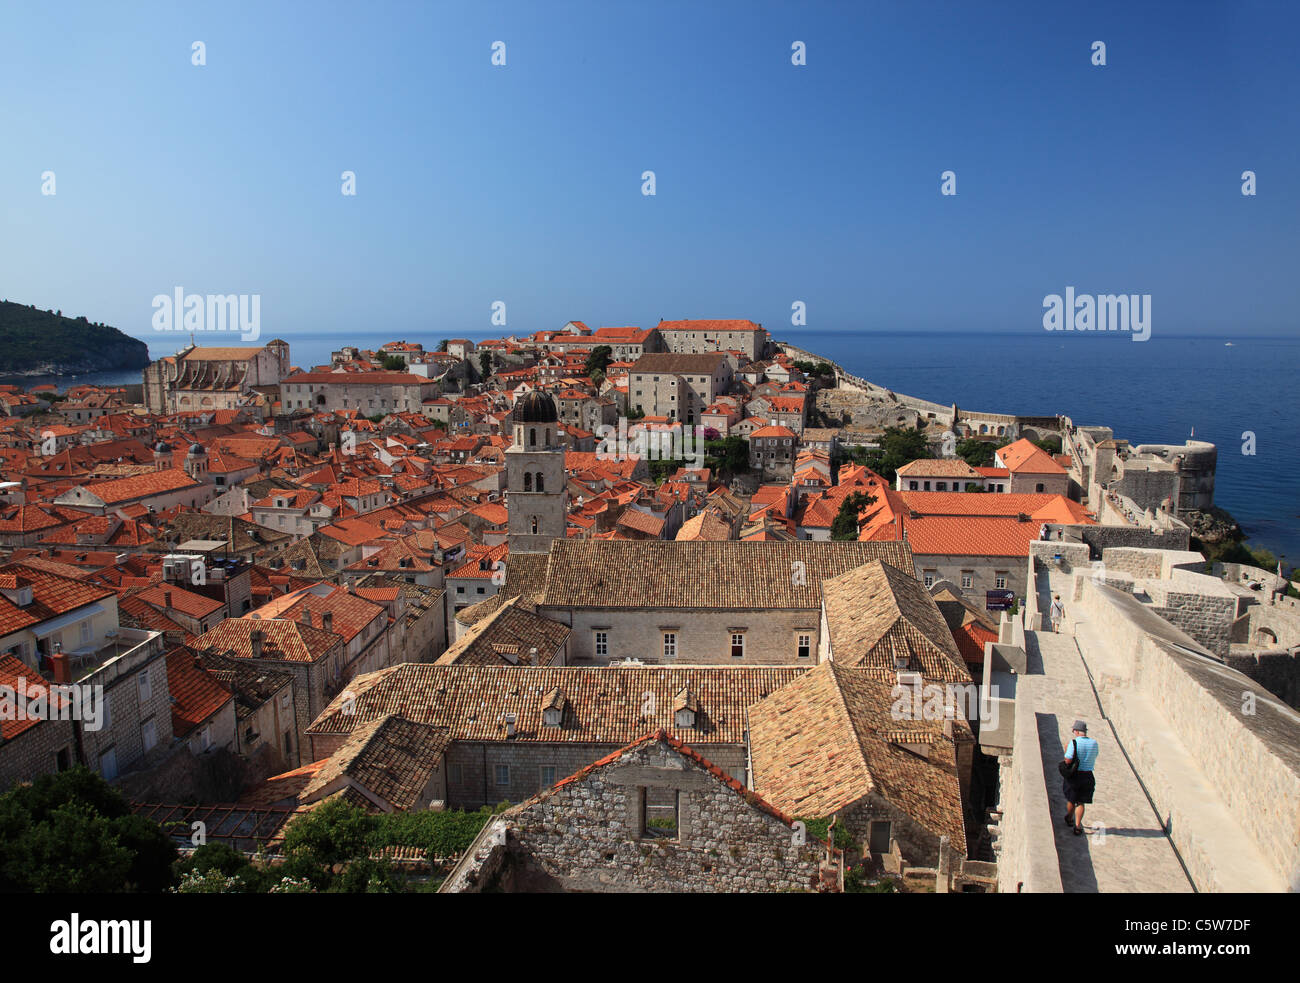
{"x": 528, "y": 481}
{"x": 533, "y": 525}
{"x": 532, "y": 436}
{"x": 541, "y": 482}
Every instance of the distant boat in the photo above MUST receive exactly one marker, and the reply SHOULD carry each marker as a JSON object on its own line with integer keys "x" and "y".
{"x": 1227, "y": 344}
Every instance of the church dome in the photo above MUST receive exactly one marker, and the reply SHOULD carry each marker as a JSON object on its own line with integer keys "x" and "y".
{"x": 198, "y": 449}
{"x": 535, "y": 407}
{"x": 162, "y": 447}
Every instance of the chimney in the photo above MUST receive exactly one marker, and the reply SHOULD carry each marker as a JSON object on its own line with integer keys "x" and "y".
{"x": 306, "y": 617}
{"x": 167, "y": 598}
{"x": 255, "y": 639}
{"x": 327, "y": 620}
{"x": 61, "y": 662}
{"x": 510, "y": 724}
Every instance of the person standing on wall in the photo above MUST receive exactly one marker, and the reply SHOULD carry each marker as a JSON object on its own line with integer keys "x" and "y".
{"x": 1056, "y": 613}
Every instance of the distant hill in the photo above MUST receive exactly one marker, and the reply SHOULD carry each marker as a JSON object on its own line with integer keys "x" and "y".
{"x": 36, "y": 342}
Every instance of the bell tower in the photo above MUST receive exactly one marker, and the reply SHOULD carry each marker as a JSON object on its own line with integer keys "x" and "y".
{"x": 536, "y": 503}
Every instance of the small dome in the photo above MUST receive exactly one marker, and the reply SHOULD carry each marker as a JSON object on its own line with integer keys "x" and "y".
{"x": 535, "y": 407}
{"x": 198, "y": 449}
{"x": 162, "y": 447}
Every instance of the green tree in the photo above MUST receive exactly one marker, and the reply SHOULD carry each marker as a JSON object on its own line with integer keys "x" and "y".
{"x": 333, "y": 833}
{"x": 976, "y": 453}
{"x": 485, "y": 363}
{"x": 598, "y": 360}
{"x": 845, "y": 524}
{"x": 394, "y": 363}
{"x": 73, "y": 832}
{"x": 898, "y": 446}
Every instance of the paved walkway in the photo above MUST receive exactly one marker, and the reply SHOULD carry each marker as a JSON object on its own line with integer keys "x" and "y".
{"x": 1125, "y": 849}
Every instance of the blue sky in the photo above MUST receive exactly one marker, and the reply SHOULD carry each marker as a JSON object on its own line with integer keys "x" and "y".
{"x": 775, "y": 183}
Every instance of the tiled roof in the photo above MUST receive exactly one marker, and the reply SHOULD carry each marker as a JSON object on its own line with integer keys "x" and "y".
{"x": 140, "y": 486}
{"x": 830, "y": 738}
{"x": 220, "y": 354}
{"x": 773, "y": 431}
{"x": 391, "y": 757}
{"x": 635, "y": 519}
{"x": 732, "y": 574}
{"x": 709, "y": 324}
{"x": 878, "y": 616}
{"x": 1028, "y": 458}
{"x": 507, "y": 635}
{"x": 673, "y": 363}
{"x": 705, "y": 527}
{"x": 52, "y": 595}
{"x": 943, "y": 467}
{"x": 175, "y": 598}
{"x": 19, "y": 678}
{"x": 196, "y": 693}
{"x": 604, "y": 705}
{"x": 360, "y": 378}
{"x": 287, "y": 641}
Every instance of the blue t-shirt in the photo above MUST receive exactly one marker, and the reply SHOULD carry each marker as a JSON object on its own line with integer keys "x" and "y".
{"x": 1087, "y": 752}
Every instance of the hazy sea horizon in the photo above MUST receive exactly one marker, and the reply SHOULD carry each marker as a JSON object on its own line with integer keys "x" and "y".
{"x": 1159, "y": 391}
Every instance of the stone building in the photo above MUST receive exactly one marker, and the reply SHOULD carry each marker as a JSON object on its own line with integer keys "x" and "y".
{"x": 726, "y": 603}
{"x": 692, "y": 336}
{"x": 518, "y": 729}
{"x": 830, "y": 744}
{"x": 313, "y": 656}
{"x": 653, "y": 816}
{"x": 772, "y": 451}
{"x": 212, "y": 378}
{"x": 370, "y": 393}
{"x": 679, "y": 387}
{"x": 30, "y": 745}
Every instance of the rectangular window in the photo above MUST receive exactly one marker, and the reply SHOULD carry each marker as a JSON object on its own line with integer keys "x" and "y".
{"x": 206, "y": 741}
{"x": 1000, "y": 580}
{"x": 659, "y": 813}
{"x": 880, "y": 837}
{"x": 108, "y": 764}
{"x": 149, "y": 735}
{"x": 965, "y": 580}
{"x": 737, "y": 645}
{"x": 548, "y": 775}
{"x": 602, "y": 644}
{"x": 85, "y": 633}
{"x": 670, "y": 645}
{"x": 145, "y": 686}
{"x": 803, "y": 645}
{"x": 503, "y": 775}
{"x": 457, "y": 773}
{"x": 929, "y": 578}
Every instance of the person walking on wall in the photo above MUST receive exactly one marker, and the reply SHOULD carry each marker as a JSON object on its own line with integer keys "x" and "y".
{"x": 1056, "y": 613}
{"x": 1078, "y": 783}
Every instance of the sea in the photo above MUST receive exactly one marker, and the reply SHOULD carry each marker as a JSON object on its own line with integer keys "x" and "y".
{"x": 1234, "y": 391}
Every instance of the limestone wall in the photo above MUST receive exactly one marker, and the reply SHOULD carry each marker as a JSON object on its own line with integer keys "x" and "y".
{"x": 1134, "y": 561}
{"x": 1026, "y": 844}
{"x": 586, "y": 835}
{"x": 1244, "y": 743}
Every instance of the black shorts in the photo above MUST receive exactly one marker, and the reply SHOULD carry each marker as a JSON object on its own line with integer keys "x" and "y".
{"x": 1079, "y": 788}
